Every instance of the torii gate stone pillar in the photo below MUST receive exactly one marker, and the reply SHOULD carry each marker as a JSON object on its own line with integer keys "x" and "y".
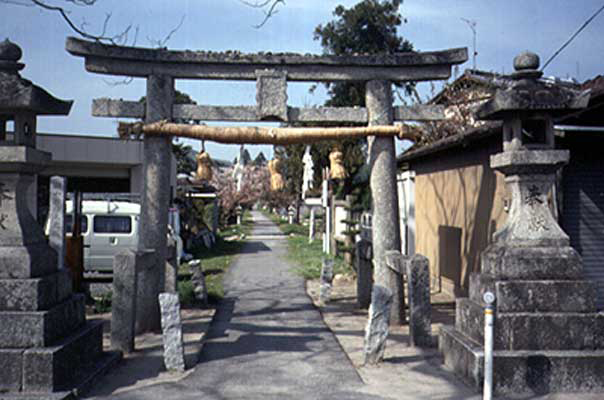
{"x": 156, "y": 197}
{"x": 385, "y": 232}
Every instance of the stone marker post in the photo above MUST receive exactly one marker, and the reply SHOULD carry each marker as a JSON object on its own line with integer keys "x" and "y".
{"x": 156, "y": 195}
{"x": 56, "y": 217}
{"x": 363, "y": 256}
{"x": 174, "y": 353}
{"x": 385, "y": 230}
{"x": 123, "y": 300}
{"x": 198, "y": 280}
{"x": 326, "y": 281}
{"x": 420, "y": 309}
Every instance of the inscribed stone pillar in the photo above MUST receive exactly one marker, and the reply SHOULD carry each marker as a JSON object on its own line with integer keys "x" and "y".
{"x": 385, "y": 230}
{"x": 174, "y": 354}
{"x": 123, "y": 300}
{"x": 156, "y": 178}
{"x": 363, "y": 255}
{"x": 420, "y": 309}
{"x": 56, "y": 217}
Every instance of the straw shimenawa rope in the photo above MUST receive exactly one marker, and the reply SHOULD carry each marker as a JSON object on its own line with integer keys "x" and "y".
{"x": 261, "y": 135}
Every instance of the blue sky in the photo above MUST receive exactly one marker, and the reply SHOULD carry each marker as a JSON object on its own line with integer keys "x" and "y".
{"x": 504, "y": 28}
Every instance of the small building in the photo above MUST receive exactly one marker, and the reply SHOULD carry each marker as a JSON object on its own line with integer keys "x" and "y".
{"x": 93, "y": 164}
{"x": 453, "y": 202}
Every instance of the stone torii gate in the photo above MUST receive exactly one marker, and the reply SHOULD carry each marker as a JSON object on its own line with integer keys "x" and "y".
{"x": 271, "y": 72}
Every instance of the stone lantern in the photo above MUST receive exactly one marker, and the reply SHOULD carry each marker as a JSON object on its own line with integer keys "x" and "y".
{"x": 529, "y": 161}
{"x": 548, "y": 336}
{"x": 46, "y": 344}
{"x": 20, "y": 100}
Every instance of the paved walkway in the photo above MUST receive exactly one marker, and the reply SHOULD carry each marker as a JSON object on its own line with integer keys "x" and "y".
{"x": 267, "y": 340}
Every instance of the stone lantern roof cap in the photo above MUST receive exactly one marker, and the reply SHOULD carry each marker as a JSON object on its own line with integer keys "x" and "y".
{"x": 18, "y": 94}
{"x": 10, "y": 54}
{"x": 527, "y": 95}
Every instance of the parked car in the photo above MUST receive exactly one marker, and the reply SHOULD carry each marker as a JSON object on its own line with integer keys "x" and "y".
{"x": 109, "y": 227}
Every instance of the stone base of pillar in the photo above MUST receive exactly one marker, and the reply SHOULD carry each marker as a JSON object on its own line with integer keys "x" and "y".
{"x": 517, "y": 372}
{"x": 47, "y": 348}
{"x": 548, "y": 335}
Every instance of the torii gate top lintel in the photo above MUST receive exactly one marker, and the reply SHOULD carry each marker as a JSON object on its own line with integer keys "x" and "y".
{"x": 234, "y": 65}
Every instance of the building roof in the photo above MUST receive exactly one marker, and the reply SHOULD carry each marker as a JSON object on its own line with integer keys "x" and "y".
{"x": 460, "y": 139}
{"x": 589, "y": 116}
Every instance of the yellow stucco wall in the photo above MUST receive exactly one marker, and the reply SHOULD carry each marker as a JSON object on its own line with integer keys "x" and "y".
{"x": 457, "y": 211}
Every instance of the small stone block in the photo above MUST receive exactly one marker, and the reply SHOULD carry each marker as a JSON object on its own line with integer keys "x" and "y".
{"x": 34, "y": 294}
{"x": 172, "y": 332}
{"x": 531, "y": 263}
{"x": 30, "y": 261}
{"x": 11, "y": 366}
{"x": 52, "y": 368}
{"x": 271, "y": 95}
{"x": 22, "y": 329}
{"x": 532, "y": 331}
{"x": 27, "y": 294}
{"x": 545, "y": 296}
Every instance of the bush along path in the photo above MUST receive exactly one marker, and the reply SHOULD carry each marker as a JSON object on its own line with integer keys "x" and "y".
{"x": 266, "y": 340}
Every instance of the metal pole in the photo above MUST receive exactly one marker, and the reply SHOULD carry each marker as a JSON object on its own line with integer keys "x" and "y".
{"x": 489, "y": 299}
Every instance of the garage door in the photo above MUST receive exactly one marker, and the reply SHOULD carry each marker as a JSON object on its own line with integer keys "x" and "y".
{"x": 583, "y": 213}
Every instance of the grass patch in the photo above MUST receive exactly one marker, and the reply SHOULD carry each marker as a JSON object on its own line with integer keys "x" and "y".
{"x": 308, "y": 257}
{"x": 186, "y": 293}
{"x": 286, "y": 228}
{"x": 102, "y": 304}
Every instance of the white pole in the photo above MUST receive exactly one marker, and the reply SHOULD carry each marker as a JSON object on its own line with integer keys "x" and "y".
{"x": 324, "y": 203}
{"x": 311, "y": 227}
{"x": 489, "y": 299}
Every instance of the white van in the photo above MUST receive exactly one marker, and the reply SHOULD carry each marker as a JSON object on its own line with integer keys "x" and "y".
{"x": 107, "y": 228}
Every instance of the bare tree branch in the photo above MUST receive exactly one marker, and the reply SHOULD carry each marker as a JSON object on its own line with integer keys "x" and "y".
{"x": 119, "y": 38}
{"x": 269, "y": 8}
{"x": 162, "y": 42}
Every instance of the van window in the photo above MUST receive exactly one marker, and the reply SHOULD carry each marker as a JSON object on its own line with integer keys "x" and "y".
{"x": 112, "y": 224}
{"x": 69, "y": 223}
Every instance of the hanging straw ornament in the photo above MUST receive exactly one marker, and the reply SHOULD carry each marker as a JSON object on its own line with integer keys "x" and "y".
{"x": 204, "y": 166}
{"x": 276, "y": 178}
{"x": 336, "y": 166}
